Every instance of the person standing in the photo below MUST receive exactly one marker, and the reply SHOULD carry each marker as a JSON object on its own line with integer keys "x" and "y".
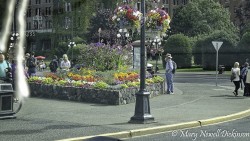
{"x": 65, "y": 63}
{"x": 169, "y": 74}
{"x": 3, "y": 66}
{"x": 236, "y": 80}
{"x": 54, "y": 64}
{"x": 31, "y": 64}
{"x": 243, "y": 75}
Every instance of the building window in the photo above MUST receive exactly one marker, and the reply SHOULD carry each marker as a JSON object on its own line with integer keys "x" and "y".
{"x": 28, "y": 25}
{"x": 38, "y": 11}
{"x": 29, "y": 12}
{"x": 35, "y": 24}
{"x": 47, "y": 1}
{"x": 185, "y": 2}
{"x": 48, "y": 11}
{"x": 67, "y": 7}
{"x": 174, "y": 2}
{"x": 38, "y": 1}
{"x": 165, "y": 1}
{"x": 138, "y": 6}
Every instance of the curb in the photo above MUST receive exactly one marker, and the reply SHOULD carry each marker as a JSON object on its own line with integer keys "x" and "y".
{"x": 165, "y": 128}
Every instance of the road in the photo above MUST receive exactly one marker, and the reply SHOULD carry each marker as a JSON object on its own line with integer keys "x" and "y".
{"x": 237, "y": 130}
{"x": 48, "y": 119}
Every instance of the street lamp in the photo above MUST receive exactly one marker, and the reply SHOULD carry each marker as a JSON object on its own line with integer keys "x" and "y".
{"x": 142, "y": 107}
{"x": 156, "y": 43}
{"x": 123, "y": 35}
{"x": 99, "y": 31}
{"x": 71, "y": 45}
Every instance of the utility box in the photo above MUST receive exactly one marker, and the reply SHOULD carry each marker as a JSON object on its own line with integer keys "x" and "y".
{"x": 6, "y": 101}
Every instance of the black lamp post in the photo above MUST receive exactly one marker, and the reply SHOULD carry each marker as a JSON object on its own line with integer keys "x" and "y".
{"x": 71, "y": 45}
{"x": 142, "y": 106}
{"x": 156, "y": 43}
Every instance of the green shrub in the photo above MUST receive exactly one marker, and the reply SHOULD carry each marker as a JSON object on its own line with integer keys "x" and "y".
{"x": 100, "y": 85}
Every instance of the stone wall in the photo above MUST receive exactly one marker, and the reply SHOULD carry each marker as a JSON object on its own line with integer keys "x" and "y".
{"x": 102, "y": 96}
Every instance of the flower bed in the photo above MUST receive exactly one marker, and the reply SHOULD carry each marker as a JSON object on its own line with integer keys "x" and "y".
{"x": 91, "y": 95}
{"x": 110, "y": 87}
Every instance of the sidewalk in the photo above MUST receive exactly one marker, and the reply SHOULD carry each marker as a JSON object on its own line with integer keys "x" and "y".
{"x": 190, "y": 106}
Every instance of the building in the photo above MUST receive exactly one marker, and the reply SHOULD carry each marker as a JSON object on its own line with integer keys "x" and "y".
{"x": 39, "y": 19}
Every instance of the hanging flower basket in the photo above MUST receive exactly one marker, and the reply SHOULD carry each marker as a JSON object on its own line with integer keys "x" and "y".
{"x": 127, "y": 17}
{"x": 157, "y": 20}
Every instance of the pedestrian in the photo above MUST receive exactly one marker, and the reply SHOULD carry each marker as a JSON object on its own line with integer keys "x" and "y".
{"x": 65, "y": 63}
{"x": 31, "y": 64}
{"x": 5, "y": 67}
{"x": 54, "y": 64}
{"x": 169, "y": 74}
{"x": 236, "y": 71}
{"x": 243, "y": 75}
{"x": 247, "y": 83}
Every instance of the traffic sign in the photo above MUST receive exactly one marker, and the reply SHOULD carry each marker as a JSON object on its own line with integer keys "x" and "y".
{"x": 217, "y": 45}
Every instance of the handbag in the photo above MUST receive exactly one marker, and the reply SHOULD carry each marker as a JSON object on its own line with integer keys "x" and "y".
{"x": 233, "y": 76}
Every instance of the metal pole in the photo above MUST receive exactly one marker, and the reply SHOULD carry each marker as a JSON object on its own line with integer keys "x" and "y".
{"x": 156, "y": 57}
{"x": 217, "y": 55}
{"x": 142, "y": 106}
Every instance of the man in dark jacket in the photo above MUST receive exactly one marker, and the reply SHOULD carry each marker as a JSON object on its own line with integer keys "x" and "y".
{"x": 31, "y": 64}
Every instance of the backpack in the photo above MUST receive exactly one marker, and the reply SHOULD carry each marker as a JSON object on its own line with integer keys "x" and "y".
{"x": 53, "y": 65}
{"x": 174, "y": 67}
{"x": 31, "y": 62}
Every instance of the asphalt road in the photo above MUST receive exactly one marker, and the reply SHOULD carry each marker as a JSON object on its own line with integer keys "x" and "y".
{"x": 50, "y": 119}
{"x": 237, "y": 130}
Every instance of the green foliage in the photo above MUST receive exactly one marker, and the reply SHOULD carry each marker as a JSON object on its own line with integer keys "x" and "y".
{"x": 179, "y": 46}
{"x": 201, "y": 17}
{"x": 101, "y": 57}
{"x": 228, "y": 49}
{"x": 101, "y": 20}
{"x": 133, "y": 84}
{"x": 157, "y": 79}
{"x": 101, "y": 85}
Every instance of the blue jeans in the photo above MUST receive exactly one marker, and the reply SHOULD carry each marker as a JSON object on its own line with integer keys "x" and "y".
{"x": 170, "y": 87}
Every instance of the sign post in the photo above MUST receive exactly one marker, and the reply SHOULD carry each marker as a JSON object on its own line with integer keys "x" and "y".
{"x": 217, "y": 45}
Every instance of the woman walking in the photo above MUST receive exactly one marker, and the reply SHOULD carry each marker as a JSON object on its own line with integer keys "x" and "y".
{"x": 236, "y": 71}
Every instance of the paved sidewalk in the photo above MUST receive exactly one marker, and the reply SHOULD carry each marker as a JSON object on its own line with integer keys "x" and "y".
{"x": 190, "y": 106}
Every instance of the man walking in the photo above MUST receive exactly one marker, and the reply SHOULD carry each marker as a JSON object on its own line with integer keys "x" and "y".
{"x": 169, "y": 73}
{"x": 31, "y": 64}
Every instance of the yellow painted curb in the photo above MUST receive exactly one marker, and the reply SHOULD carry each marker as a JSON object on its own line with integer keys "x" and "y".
{"x": 166, "y": 128}
{"x": 226, "y": 118}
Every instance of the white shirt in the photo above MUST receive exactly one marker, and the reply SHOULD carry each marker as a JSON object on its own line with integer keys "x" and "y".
{"x": 65, "y": 64}
{"x": 237, "y": 72}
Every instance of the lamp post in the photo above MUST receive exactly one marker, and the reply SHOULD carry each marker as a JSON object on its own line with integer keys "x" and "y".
{"x": 99, "y": 31}
{"x": 156, "y": 43}
{"x": 71, "y": 45}
{"x": 123, "y": 35}
{"x": 142, "y": 107}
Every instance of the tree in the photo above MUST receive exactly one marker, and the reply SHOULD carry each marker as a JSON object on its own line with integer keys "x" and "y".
{"x": 107, "y": 30}
{"x": 201, "y": 17}
{"x": 207, "y": 54}
{"x": 179, "y": 46}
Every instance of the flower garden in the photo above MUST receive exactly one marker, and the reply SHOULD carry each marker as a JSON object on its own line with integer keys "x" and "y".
{"x": 109, "y": 87}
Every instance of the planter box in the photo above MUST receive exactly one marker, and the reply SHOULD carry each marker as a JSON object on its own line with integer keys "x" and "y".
{"x": 102, "y": 96}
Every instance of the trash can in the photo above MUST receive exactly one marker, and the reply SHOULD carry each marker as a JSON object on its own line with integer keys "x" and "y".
{"x": 221, "y": 69}
{"x": 6, "y": 101}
